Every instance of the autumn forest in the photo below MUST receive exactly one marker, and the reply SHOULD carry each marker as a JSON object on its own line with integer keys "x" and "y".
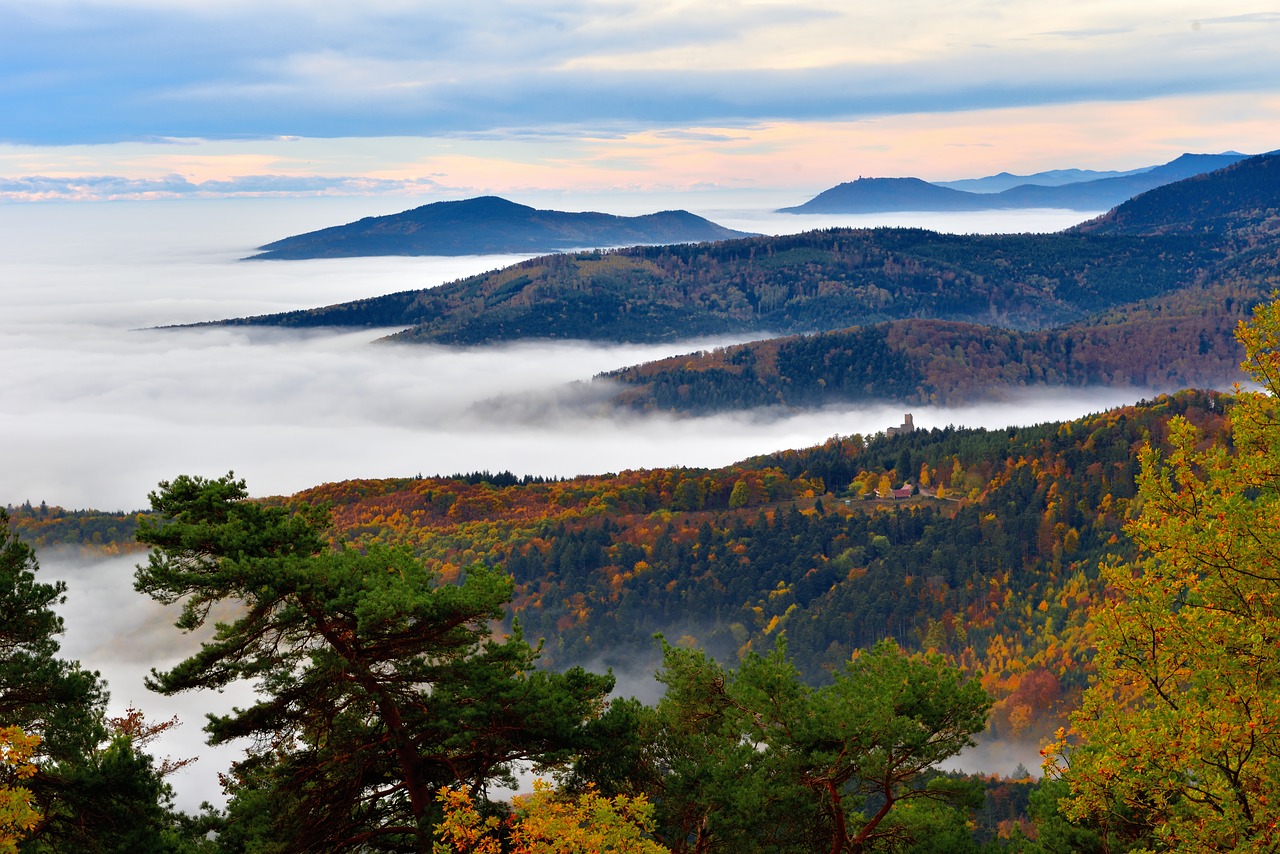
{"x": 832, "y": 629}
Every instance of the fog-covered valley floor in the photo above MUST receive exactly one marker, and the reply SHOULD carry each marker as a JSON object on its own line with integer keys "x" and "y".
{"x": 98, "y": 406}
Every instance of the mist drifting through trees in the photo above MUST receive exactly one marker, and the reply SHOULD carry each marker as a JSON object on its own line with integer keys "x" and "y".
{"x": 99, "y": 408}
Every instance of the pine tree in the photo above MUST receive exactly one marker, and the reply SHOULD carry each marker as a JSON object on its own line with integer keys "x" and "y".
{"x": 378, "y": 684}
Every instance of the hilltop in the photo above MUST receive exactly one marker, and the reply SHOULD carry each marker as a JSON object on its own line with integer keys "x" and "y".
{"x": 491, "y": 225}
{"x": 879, "y": 195}
{"x": 1183, "y": 337}
{"x": 1055, "y": 190}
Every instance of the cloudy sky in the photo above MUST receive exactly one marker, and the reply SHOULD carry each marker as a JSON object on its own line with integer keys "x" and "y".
{"x": 138, "y": 98}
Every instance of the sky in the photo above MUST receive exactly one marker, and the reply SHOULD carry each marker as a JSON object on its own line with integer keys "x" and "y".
{"x": 110, "y": 99}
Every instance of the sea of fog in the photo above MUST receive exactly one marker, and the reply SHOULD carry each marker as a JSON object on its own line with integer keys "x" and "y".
{"x": 98, "y": 406}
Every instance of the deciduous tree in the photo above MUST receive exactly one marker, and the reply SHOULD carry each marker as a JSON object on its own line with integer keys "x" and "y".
{"x": 1181, "y": 732}
{"x": 18, "y": 813}
{"x": 548, "y": 822}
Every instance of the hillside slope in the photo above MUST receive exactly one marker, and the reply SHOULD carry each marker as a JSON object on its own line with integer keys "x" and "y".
{"x": 1239, "y": 201}
{"x": 1001, "y": 572}
{"x": 878, "y": 195}
{"x": 998, "y": 571}
{"x": 915, "y": 362}
{"x": 818, "y": 280}
{"x": 490, "y": 225}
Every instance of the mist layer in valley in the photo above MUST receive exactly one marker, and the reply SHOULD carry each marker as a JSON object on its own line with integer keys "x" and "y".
{"x": 98, "y": 407}
{"x": 122, "y": 634}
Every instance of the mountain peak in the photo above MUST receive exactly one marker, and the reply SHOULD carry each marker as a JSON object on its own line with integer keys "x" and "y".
{"x": 872, "y": 195}
{"x": 489, "y": 225}
{"x": 1241, "y": 197}
{"x": 1072, "y": 189}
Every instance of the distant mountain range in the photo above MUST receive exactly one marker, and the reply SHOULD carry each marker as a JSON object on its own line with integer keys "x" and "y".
{"x": 1147, "y": 295}
{"x": 490, "y": 225}
{"x": 1057, "y": 189}
{"x": 1051, "y": 178}
{"x": 826, "y": 280}
{"x": 1182, "y": 337}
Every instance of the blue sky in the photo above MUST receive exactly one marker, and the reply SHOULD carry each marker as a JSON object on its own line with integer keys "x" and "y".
{"x": 174, "y": 97}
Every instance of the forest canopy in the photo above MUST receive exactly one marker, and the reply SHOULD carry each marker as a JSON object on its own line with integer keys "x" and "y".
{"x": 1113, "y": 570}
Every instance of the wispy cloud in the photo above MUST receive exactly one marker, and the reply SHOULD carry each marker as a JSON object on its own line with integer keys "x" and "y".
{"x": 77, "y": 71}
{"x": 1262, "y": 18}
{"x": 700, "y": 136}
{"x": 99, "y": 188}
{"x": 1089, "y": 33}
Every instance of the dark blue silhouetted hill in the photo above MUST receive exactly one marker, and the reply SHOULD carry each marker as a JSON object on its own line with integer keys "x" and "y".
{"x": 490, "y": 225}
{"x": 883, "y": 195}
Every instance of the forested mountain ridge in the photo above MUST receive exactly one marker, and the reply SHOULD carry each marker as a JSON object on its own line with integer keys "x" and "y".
{"x": 490, "y": 225}
{"x": 877, "y": 195}
{"x": 1000, "y": 571}
{"x": 1241, "y": 201}
{"x": 994, "y": 562}
{"x": 837, "y": 278}
{"x": 916, "y": 362}
{"x": 730, "y": 556}
{"x": 1174, "y": 340}
{"x": 818, "y": 280}
{"x": 92, "y": 532}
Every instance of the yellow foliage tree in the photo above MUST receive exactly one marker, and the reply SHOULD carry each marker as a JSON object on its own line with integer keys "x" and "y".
{"x": 547, "y": 822}
{"x": 18, "y": 816}
{"x": 885, "y": 487}
{"x": 1181, "y": 731}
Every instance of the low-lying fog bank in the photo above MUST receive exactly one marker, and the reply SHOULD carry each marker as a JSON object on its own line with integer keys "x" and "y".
{"x": 98, "y": 409}
{"x": 97, "y": 419}
{"x": 96, "y": 414}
